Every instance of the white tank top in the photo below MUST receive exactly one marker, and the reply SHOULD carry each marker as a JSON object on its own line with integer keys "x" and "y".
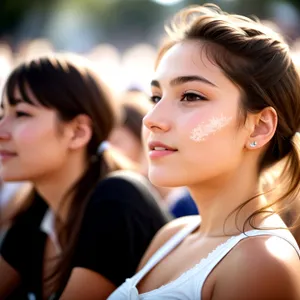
{"x": 188, "y": 286}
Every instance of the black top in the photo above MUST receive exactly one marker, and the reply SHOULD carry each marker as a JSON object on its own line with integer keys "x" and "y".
{"x": 120, "y": 221}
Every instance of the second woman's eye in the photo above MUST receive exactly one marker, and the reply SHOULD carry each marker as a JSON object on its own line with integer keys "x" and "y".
{"x": 192, "y": 97}
{"x": 20, "y": 114}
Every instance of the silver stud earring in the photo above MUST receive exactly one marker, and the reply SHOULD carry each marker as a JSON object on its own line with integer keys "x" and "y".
{"x": 253, "y": 144}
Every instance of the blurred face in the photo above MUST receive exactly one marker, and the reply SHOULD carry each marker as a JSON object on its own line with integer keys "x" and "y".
{"x": 126, "y": 142}
{"x": 193, "y": 128}
{"x": 32, "y": 145}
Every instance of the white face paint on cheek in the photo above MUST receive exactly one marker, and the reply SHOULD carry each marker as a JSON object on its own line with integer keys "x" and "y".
{"x": 203, "y": 130}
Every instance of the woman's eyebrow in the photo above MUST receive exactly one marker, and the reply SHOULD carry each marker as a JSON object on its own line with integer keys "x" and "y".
{"x": 183, "y": 79}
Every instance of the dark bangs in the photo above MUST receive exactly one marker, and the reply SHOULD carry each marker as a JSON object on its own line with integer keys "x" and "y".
{"x": 51, "y": 81}
{"x": 19, "y": 79}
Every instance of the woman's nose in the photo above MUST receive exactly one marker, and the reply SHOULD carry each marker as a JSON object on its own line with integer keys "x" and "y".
{"x": 4, "y": 132}
{"x": 157, "y": 120}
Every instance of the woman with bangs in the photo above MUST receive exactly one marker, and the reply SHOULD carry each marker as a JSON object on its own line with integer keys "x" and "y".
{"x": 227, "y": 111}
{"x": 88, "y": 221}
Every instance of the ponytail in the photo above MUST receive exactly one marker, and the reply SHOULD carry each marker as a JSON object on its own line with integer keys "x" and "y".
{"x": 68, "y": 233}
{"x": 101, "y": 164}
{"x": 283, "y": 192}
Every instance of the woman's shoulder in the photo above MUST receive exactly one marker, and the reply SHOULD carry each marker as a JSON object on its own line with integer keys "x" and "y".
{"x": 125, "y": 194}
{"x": 125, "y": 181}
{"x": 31, "y": 212}
{"x": 265, "y": 248}
{"x": 266, "y": 266}
{"x": 125, "y": 188}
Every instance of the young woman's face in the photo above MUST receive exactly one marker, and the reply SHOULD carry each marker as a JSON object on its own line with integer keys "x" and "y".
{"x": 194, "y": 133}
{"x": 33, "y": 142}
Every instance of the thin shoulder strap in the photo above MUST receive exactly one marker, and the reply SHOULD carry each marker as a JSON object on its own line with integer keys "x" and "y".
{"x": 166, "y": 249}
{"x": 281, "y": 233}
{"x": 225, "y": 248}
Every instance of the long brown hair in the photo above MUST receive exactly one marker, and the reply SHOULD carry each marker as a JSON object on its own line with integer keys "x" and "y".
{"x": 68, "y": 85}
{"x": 258, "y": 61}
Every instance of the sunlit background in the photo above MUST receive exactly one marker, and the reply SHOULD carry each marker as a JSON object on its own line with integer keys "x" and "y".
{"x": 119, "y": 36}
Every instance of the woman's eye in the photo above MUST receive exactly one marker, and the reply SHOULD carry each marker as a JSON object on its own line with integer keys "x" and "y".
{"x": 155, "y": 99}
{"x": 20, "y": 114}
{"x": 192, "y": 97}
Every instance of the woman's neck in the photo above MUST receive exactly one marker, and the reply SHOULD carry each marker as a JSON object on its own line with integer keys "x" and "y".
{"x": 217, "y": 202}
{"x": 54, "y": 188}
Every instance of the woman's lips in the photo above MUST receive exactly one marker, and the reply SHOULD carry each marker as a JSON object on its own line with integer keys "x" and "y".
{"x": 6, "y": 155}
{"x": 158, "y": 149}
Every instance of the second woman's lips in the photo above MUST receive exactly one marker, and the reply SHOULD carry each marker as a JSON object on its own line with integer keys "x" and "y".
{"x": 4, "y": 154}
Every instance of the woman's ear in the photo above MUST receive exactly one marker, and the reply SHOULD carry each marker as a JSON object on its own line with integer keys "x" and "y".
{"x": 263, "y": 126}
{"x": 81, "y": 132}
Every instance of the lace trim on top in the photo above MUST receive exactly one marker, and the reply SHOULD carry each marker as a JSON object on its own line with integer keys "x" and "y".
{"x": 210, "y": 258}
{"x": 190, "y": 272}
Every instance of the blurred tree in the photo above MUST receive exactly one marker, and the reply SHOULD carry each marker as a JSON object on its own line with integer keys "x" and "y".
{"x": 131, "y": 19}
{"x": 121, "y": 22}
{"x": 260, "y": 8}
{"x": 12, "y": 11}
{"x": 296, "y": 4}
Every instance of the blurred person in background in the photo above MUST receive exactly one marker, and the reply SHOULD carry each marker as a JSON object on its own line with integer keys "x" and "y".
{"x": 84, "y": 228}
{"x": 127, "y": 136}
{"x": 183, "y": 205}
{"x": 227, "y": 110}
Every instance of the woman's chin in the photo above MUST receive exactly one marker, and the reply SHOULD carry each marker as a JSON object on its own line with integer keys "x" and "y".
{"x": 164, "y": 180}
{"x": 8, "y": 177}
